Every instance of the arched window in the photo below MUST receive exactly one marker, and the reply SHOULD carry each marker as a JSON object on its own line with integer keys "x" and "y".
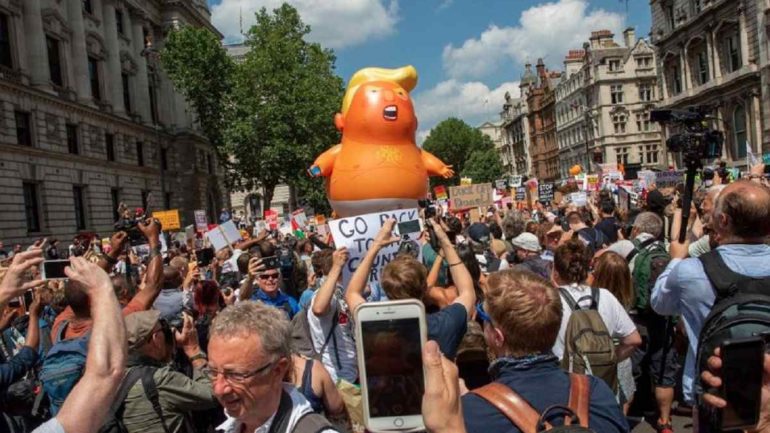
{"x": 739, "y": 131}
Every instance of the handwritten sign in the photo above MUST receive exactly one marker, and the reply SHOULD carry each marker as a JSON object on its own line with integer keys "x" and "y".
{"x": 358, "y": 233}
{"x": 441, "y": 193}
{"x": 464, "y": 197}
{"x": 201, "y": 222}
{"x": 169, "y": 219}
{"x": 516, "y": 181}
{"x": 545, "y": 192}
{"x": 665, "y": 179}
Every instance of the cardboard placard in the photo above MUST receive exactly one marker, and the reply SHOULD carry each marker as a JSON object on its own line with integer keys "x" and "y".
{"x": 201, "y": 222}
{"x": 224, "y": 235}
{"x": 357, "y": 234}
{"x": 464, "y": 197}
{"x": 665, "y": 179}
{"x": 169, "y": 219}
{"x": 300, "y": 218}
{"x": 579, "y": 198}
{"x": 474, "y": 215}
{"x": 440, "y": 192}
{"x": 521, "y": 193}
{"x": 545, "y": 192}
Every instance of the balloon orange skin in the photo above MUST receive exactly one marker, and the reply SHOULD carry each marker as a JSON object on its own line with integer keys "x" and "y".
{"x": 377, "y": 166}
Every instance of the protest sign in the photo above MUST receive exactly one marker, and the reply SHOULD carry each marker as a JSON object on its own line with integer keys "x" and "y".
{"x": 465, "y": 181}
{"x": 169, "y": 219}
{"x": 516, "y": 181}
{"x": 440, "y": 191}
{"x": 271, "y": 219}
{"x": 521, "y": 193}
{"x": 322, "y": 229}
{"x": 474, "y": 215}
{"x": 201, "y": 222}
{"x": 592, "y": 182}
{"x": 579, "y": 198}
{"x": 223, "y": 235}
{"x": 545, "y": 192}
{"x": 500, "y": 184}
{"x": 666, "y": 179}
{"x": 358, "y": 233}
{"x": 464, "y": 197}
{"x": 299, "y": 218}
{"x": 623, "y": 199}
{"x": 189, "y": 233}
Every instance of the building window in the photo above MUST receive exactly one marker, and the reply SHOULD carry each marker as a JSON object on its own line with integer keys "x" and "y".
{"x": 145, "y": 199}
{"x": 5, "y": 42}
{"x": 115, "y": 200}
{"x": 675, "y": 78}
{"x": 119, "y": 21}
{"x": 31, "y": 206}
{"x": 93, "y": 75}
{"x": 732, "y": 52}
{"x": 109, "y": 145}
{"x": 702, "y": 66}
{"x": 644, "y": 62}
{"x": 209, "y": 164}
{"x": 697, "y": 6}
{"x": 646, "y": 92}
{"x": 614, "y": 65}
{"x": 621, "y": 155}
{"x": 669, "y": 12}
{"x": 126, "y": 91}
{"x": 78, "y": 193}
{"x": 88, "y": 7}
{"x": 739, "y": 128}
{"x": 649, "y": 153}
{"x": 23, "y": 128}
{"x": 54, "y": 60}
{"x": 153, "y": 102}
{"x": 163, "y": 158}
{"x": 167, "y": 201}
{"x": 643, "y": 122}
{"x": 140, "y": 154}
{"x": 616, "y": 91}
{"x": 72, "y": 139}
{"x": 619, "y": 123}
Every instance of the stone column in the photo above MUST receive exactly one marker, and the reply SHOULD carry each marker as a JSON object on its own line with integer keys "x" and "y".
{"x": 687, "y": 80}
{"x": 715, "y": 55}
{"x": 36, "y": 49}
{"x": 756, "y": 121}
{"x": 743, "y": 36}
{"x": 141, "y": 81}
{"x": 81, "y": 80}
{"x": 710, "y": 55}
{"x": 113, "y": 81}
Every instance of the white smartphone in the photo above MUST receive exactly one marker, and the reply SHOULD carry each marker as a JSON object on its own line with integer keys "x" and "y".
{"x": 54, "y": 269}
{"x": 389, "y": 341}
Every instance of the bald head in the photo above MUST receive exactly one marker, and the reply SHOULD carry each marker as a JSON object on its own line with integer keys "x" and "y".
{"x": 742, "y": 211}
{"x": 172, "y": 277}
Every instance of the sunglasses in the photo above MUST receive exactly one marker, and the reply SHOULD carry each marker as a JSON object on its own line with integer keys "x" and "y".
{"x": 269, "y": 276}
{"x": 483, "y": 314}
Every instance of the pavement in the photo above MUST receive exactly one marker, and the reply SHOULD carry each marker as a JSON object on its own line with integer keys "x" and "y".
{"x": 681, "y": 425}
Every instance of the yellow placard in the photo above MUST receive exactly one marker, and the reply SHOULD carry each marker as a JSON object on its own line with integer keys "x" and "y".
{"x": 169, "y": 219}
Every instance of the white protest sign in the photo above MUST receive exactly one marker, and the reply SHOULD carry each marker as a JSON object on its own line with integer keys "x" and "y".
{"x": 579, "y": 198}
{"x": 358, "y": 233}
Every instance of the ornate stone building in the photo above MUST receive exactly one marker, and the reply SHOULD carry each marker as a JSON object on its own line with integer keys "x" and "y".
{"x": 710, "y": 54}
{"x": 88, "y": 119}
{"x": 542, "y": 124}
{"x": 515, "y": 135}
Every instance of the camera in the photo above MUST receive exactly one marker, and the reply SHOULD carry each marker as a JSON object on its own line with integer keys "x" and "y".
{"x": 697, "y": 142}
{"x": 429, "y": 206}
{"x": 130, "y": 224}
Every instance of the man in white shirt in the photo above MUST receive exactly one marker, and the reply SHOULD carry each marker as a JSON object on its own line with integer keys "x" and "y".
{"x": 330, "y": 326}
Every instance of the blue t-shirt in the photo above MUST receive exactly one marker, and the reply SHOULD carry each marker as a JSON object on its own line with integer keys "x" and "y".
{"x": 447, "y": 328}
{"x": 306, "y": 297}
{"x": 281, "y": 300}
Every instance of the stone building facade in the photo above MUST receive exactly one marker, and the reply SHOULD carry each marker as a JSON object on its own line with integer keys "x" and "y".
{"x": 710, "y": 54}
{"x": 542, "y": 124}
{"x": 515, "y": 137}
{"x": 572, "y": 115}
{"x": 88, "y": 119}
{"x": 621, "y": 90}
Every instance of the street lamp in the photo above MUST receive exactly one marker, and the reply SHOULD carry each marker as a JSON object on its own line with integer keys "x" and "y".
{"x": 151, "y": 54}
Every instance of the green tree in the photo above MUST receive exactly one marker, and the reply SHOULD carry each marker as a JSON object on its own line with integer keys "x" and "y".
{"x": 202, "y": 71}
{"x": 453, "y": 141}
{"x": 287, "y": 94}
{"x": 483, "y": 166}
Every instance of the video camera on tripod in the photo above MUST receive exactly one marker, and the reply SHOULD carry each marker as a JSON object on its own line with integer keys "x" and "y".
{"x": 697, "y": 143}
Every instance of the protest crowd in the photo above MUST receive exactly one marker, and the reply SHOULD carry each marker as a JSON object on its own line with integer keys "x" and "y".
{"x": 586, "y": 299}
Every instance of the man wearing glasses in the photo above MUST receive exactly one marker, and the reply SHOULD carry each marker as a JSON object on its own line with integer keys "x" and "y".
{"x": 250, "y": 355}
{"x": 268, "y": 278}
{"x": 156, "y": 398}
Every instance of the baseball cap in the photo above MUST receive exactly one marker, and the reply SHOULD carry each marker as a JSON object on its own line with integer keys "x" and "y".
{"x": 526, "y": 241}
{"x": 479, "y": 232}
{"x": 139, "y": 326}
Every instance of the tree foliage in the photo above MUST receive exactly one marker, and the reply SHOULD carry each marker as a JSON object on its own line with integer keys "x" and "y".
{"x": 278, "y": 102}
{"x": 453, "y": 141}
{"x": 483, "y": 166}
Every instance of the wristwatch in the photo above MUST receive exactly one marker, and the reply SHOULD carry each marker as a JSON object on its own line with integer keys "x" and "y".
{"x": 199, "y": 355}
{"x": 155, "y": 252}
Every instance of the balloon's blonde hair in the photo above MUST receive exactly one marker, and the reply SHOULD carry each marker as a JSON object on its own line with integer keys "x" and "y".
{"x": 405, "y": 77}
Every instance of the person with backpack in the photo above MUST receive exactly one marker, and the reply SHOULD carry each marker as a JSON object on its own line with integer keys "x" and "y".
{"x": 330, "y": 326}
{"x": 707, "y": 291}
{"x": 593, "y": 238}
{"x": 153, "y": 397}
{"x": 657, "y": 357}
{"x": 522, "y": 314}
{"x": 592, "y": 319}
{"x": 87, "y": 405}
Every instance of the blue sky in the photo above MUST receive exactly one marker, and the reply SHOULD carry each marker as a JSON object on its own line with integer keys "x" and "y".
{"x": 467, "y": 52}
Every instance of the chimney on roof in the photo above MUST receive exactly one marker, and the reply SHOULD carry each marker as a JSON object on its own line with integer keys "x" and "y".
{"x": 600, "y": 38}
{"x": 629, "y": 36}
{"x": 540, "y": 67}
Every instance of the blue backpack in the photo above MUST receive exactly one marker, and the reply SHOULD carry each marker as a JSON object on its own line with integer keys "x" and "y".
{"x": 63, "y": 366}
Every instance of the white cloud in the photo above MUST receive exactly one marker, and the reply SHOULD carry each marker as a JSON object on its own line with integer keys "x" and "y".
{"x": 334, "y": 23}
{"x": 546, "y": 29}
{"x": 474, "y": 102}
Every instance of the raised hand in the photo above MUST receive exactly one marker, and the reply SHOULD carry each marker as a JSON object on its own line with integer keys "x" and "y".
{"x": 13, "y": 283}
{"x": 89, "y": 276}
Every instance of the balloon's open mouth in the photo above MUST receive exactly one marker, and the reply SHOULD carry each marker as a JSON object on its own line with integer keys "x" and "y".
{"x": 390, "y": 112}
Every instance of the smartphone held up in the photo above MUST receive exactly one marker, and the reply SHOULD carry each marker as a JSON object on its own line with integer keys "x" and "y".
{"x": 389, "y": 341}
{"x": 54, "y": 269}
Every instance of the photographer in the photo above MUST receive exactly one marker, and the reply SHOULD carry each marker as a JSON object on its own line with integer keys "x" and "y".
{"x": 268, "y": 280}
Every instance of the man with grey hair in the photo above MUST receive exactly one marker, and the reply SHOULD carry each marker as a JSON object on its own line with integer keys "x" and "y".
{"x": 249, "y": 357}
{"x": 705, "y": 243}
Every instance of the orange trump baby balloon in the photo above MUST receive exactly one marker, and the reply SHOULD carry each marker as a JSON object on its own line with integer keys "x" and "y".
{"x": 377, "y": 166}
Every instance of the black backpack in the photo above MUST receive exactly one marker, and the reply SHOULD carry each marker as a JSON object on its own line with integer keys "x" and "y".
{"x": 595, "y": 238}
{"x": 741, "y": 309}
{"x": 114, "y": 421}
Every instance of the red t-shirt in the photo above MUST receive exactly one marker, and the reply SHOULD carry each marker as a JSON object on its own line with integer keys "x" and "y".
{"x": 77, "y": 327}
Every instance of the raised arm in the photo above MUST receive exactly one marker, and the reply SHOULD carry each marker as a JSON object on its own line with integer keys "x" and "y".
{"x": 460, "y": 275}
{"x": 153, "y": 276}
{"x": 435, "y": 166}
{"x": 117, "y": 244}
{"x": 247, "y": 287}
{"x": 322, "y": 299}
{"x": 324, "y": 164}
{"x": 13, "y": 284}
{"x": 86, "y": 407}
{"x": 354, "y": 295}
{"x": 435, "y": 270}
